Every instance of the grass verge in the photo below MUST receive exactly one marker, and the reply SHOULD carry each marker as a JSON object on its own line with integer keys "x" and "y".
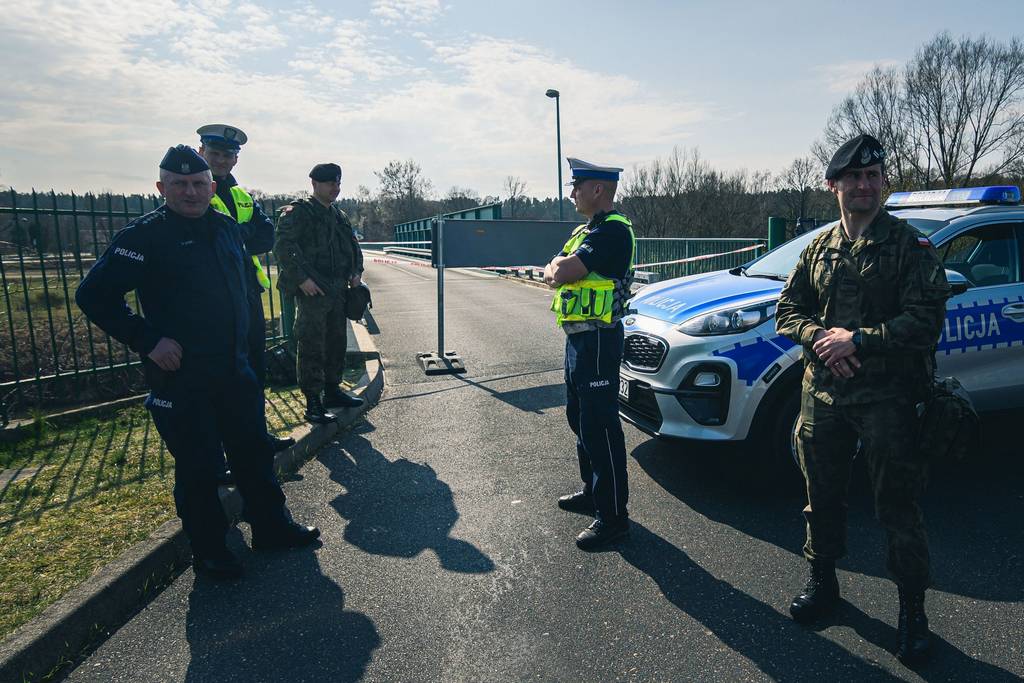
{"x": 85, "y": 492}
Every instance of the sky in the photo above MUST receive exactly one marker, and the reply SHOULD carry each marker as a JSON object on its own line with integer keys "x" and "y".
{"x": 92, "y": 92}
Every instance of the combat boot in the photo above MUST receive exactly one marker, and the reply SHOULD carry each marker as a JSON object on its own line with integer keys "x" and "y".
{"x": 315, "y": 411}
{"x": 912, "y": 630}
{"x": 336, "y": 398}
{"x": 820, "y": 595}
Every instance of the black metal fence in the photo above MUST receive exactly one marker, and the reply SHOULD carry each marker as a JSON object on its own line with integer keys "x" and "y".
{"x": 50, "y": 354}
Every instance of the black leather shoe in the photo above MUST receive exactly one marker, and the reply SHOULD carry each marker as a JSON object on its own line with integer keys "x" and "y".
{"x": 336, "y": 398}
{"x": 219, "y": 564}
{"x": 290, "y": 535}
{"x": 225, "y": 478}
{"x": 601, "y": 533}
{"x": 820, "y": 596}
{"x": 315, "y": 411}
{"x": 914, "y": 636}
{"x": 581, "y": 502}
{"x": 281, "y": 444}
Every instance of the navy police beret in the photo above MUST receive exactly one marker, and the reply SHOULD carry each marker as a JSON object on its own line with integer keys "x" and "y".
{"x": 860, "y": 152}
{"x": 222, "y": 136}
{"x": 325, "y": 172}
{"x": 184, "y": 160}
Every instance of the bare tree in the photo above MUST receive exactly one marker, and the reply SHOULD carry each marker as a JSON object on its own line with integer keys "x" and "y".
{"x": 954, "y": 113}
{"x": 403, "y": 191}
{"x": 460, "y": 198}
{"x": 515, "y": 188}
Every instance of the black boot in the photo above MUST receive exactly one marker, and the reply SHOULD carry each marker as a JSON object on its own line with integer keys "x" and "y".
{"x": 913, "y": 633}
{"x": 216, "y": 563}
{"x": 603, "y": 532}
{"x": 581, "y": 502}
{"x": 283, "y": 536}
{"x": 820, "y": 595}
{"x": 336, "y": 398}
{"x": 279, "y": 445}
{"x": 315, "y": 411}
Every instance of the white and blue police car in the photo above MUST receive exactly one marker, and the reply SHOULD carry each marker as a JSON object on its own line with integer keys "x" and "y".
{"x": 703, "y": 360}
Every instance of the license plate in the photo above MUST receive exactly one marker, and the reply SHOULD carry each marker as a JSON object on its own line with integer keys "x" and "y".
{"x": 624, "y": 389}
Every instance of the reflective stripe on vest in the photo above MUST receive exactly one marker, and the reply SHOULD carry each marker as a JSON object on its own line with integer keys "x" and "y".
{"x": 244, "y": 210}
{"x": 593, "y": 297}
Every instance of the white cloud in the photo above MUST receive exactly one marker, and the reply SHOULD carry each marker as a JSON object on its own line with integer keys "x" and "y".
{"x": 98, "y": 89}
{"x": 843, "y": 77}
{"x": 406, "y": 11}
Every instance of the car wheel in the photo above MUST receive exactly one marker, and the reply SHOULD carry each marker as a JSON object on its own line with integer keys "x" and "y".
{"x": 783, "y": 434}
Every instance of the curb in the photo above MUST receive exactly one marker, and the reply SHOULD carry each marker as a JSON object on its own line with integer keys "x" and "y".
{"x": 105, "y": 601}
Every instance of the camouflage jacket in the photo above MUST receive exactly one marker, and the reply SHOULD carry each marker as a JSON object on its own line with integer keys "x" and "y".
{"x": 896, "y": 298}
{"x": 314, "y": 241}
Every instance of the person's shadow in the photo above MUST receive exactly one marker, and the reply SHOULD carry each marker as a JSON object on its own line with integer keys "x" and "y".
{"x": 778, "y": 646}
{"x": 397, "y": 508}
{"x": 284, "y": 621}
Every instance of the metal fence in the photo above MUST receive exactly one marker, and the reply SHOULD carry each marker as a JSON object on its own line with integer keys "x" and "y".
{"x": 50, "y": 353}
{"x": 671, "y": 257}
{"x": 420, "y": 230}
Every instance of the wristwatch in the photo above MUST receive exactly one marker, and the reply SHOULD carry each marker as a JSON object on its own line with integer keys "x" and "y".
{"x": 856, "y": 339}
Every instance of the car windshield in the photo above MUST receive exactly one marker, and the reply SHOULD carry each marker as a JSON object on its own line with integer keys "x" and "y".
{"x": 779, "y": 262}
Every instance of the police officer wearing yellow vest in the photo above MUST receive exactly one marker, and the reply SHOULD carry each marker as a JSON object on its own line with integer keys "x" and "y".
{"x": 593, "y": 274}
{"x": 219, "y": 146}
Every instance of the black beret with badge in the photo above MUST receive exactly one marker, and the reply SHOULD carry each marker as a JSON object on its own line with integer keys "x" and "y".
{"x": 323, "y": 173}
{"x": 860, "y": 152}
{"x": 183, "y": 160}
{"x": 222, "y": 136}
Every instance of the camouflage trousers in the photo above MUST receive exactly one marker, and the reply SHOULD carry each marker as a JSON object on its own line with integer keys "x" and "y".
{"x": 826, "y": 444}
{"x": 321, "y": 339}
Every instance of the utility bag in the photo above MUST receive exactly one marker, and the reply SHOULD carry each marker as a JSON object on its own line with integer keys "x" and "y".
{"x": 357, "y": 300}
{"x": 280, "y": 363}
{"x": 949, "y": 426}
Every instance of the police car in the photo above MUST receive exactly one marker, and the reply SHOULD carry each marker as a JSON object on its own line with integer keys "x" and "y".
{"x": 703, "y": 360}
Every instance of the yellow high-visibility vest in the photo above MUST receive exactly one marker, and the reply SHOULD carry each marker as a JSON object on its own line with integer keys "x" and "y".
{"x": 593, "y": 297}
{"x": 243, "y": 210}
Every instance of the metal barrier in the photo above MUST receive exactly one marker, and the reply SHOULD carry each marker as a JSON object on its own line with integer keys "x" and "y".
{"x": 420, "y": 230}
{"x": 51, "y": 354}
{"x": 671, "y": 257}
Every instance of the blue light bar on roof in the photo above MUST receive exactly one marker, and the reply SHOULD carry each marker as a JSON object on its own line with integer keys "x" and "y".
{"x": 996, "y": 194}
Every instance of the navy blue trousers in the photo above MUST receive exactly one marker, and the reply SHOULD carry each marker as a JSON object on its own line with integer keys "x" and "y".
{"x": 592, "y": 384}
{"x": 195, "y": 412}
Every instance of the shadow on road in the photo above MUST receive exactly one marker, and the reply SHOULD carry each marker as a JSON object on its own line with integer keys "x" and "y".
{"x": 285, "y": 621}
{"x": 972, "y": 510}
{"x": 772, "y": 641}
{"x": 397, "y": 508}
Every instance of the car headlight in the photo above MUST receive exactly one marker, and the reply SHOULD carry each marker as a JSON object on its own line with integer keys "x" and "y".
{"x": 729, "y": 320}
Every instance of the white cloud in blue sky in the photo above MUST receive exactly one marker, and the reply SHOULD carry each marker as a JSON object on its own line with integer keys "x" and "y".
{"x": 94, "y": 90}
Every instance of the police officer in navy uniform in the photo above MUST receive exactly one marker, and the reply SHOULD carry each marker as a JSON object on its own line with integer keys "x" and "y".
{"x": 593, "y": 274}
{"x": 219, "y": 146}
{"x": 187, "y": 264}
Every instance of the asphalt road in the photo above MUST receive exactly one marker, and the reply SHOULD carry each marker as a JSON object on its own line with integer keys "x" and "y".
{"x": 445, "y": 558}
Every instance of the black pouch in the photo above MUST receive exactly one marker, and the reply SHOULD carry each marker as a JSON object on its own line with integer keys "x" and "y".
{"x": 949, "y": 426}
{"x": 357, "y": 300}
{"x": 280, "y": 363}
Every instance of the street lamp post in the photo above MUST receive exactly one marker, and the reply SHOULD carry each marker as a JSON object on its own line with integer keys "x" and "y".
{"x": 558, "y": 137}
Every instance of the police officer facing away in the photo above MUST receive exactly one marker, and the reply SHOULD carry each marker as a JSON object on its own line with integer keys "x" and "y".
{"x": 186, "y": 263}
{"x": 219, "y": 146}
{"x": 593, "y": 275}
{"x": 866, "y": 301}
{"x": 319, "y": 259}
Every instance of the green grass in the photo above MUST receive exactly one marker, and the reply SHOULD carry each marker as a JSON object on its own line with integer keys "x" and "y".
{"x": 102, "y": 485}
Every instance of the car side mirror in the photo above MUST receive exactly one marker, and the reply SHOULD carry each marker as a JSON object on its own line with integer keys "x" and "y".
{"x": 957, "y": 281}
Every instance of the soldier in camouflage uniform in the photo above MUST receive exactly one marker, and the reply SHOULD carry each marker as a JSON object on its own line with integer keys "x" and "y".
{"x": 320, "y": 259}
{"x": 866, "y": 301}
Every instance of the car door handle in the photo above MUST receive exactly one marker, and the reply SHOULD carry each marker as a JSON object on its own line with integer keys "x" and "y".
{"x": 1014, "y": 312}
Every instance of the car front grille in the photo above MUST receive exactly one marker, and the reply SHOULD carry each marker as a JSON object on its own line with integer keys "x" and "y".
{"x": 644, "y": 353}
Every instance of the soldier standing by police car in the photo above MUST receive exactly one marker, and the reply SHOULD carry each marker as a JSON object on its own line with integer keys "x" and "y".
{"x": 219, "y": 146}
{"x": 866, "y": 301}
{"x": 186, "y": 262}
{"x": 593, "y": 274}
{"x": 319, "y": 259}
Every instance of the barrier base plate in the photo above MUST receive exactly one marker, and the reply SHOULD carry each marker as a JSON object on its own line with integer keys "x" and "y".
{"x": 448, "y": 364}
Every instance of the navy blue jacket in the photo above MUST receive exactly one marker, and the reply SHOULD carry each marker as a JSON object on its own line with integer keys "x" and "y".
{"x": 191, "y": 281}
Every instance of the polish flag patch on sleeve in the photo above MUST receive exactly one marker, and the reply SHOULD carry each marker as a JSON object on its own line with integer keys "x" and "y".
{"x": 923, "y": 241}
